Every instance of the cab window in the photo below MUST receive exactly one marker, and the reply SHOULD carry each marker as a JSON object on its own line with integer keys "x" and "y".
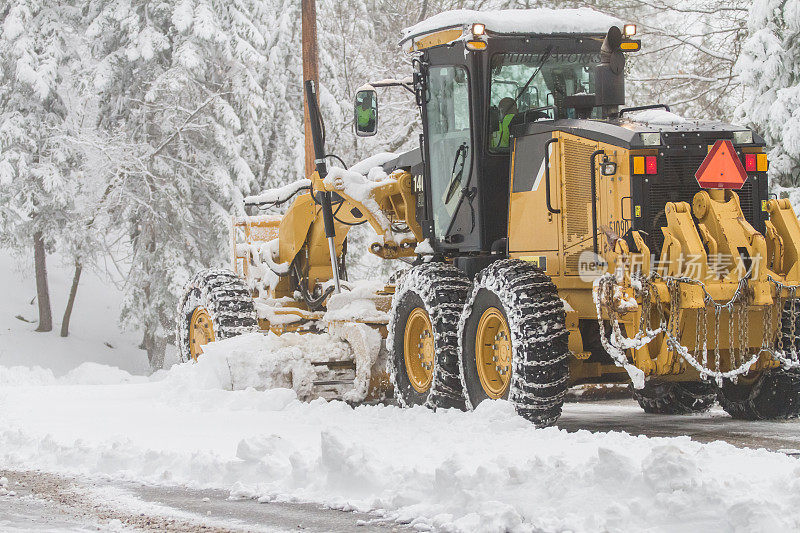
{"x": 449, "y": 141}
{"x": 524, "y": 85}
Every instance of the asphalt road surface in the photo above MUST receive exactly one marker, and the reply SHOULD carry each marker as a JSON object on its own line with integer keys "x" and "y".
{"x": 627, "y": 416}
{"x": 49, "y": 503}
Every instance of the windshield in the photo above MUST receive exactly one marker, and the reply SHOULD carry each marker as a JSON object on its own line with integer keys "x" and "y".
{"x": 525, "y": 82}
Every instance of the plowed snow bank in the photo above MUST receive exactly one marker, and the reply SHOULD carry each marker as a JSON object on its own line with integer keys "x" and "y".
{"x": 483, "y": 471}
{"x": 259, "y": 361}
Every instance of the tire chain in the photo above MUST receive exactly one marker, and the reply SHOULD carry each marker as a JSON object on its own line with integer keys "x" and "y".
{"x": 226, "y": 299}
{"x": 443, "y": 289}
{"x": 532, "y": 303}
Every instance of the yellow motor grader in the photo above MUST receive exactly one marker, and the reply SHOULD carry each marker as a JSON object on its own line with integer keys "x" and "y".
{"x": 553, "y": 237}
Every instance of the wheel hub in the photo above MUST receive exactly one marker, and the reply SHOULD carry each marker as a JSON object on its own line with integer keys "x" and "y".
{"x": 493, "y": 353}
{"x": 418, "y": 349}
{"x": 201, "y": 331}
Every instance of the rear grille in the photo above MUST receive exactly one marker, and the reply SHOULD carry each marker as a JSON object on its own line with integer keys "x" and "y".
{"x": 578, "y": 197}
{"x": 675, "y": 182}
{"x": 579, "y": 192}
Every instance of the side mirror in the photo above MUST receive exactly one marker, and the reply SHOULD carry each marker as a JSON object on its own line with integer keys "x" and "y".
{"x": 366, "y": 113}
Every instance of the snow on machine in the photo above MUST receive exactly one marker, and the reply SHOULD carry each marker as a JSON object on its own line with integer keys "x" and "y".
{"x": 555, "y": 238}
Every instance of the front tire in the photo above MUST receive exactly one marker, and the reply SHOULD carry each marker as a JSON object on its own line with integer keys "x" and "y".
{"x": 514, "y": 342}
{"x": 422, "y": 336}
{"x": 675, "y": 398}
{"x": 216, "y": 305}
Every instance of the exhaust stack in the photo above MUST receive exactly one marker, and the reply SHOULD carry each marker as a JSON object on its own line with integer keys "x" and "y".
{"x": 608, "y": 78}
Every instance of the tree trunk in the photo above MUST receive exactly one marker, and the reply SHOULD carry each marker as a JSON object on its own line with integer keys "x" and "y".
{"x": 42, "y": 291}
{"x": 71, "y": 301}
{"x": 156, "y": 347}
{"x": 423, "y": 12}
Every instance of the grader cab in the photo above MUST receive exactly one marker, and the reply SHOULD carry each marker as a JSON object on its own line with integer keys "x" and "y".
{"x": 553, "y": 237}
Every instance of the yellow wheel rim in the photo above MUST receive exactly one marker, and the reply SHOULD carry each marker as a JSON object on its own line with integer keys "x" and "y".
{"x": 201, "y": 331}
{"x": 418, "y": 349}
{"x": 493, "y": 353}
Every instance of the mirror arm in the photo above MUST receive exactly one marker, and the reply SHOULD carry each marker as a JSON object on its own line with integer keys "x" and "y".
{"x": 394, "y": 83}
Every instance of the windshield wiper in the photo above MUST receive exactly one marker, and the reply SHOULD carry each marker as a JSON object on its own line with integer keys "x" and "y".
{"x": 545, "y": 57}
{"x": 455, "y": 177}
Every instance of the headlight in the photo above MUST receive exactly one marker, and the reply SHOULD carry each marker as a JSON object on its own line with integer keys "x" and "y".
{"x": 651, "y": 139}
{"x": 743, "y": 137}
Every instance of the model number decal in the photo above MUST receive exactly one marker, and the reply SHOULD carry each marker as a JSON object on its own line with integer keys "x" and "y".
{"x": 620, "y": 227}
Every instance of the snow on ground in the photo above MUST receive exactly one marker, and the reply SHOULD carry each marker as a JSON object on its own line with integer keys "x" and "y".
{"x": 95, "y": 335}
{"x": 483, "y": 471}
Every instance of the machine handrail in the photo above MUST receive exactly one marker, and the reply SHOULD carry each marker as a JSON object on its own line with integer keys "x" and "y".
{"x": 547, "y": 174}
{"x": 594, "y": 198}
{"x": 643, "y": 108}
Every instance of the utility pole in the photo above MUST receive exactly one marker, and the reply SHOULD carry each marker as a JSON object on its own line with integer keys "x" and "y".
{"x": 310, "y": 71}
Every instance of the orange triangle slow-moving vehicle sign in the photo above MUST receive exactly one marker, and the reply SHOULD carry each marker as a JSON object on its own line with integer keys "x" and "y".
{"x": 721, "y": 169}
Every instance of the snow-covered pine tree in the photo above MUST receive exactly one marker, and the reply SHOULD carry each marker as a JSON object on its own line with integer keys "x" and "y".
{"x": 282, "y": 126}
{"x": 38, "y": 180}
{"x": 769, "y": 69}
{"x": 180, "y": 85}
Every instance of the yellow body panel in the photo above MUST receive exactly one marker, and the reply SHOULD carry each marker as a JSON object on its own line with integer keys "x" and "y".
{"x": 527, "y": 211}
{"x": 435, "y": 39}
{"x": 561, "y": 237}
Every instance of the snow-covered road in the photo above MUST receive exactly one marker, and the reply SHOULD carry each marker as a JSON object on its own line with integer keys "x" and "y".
{"x": 488, "y": 470}
{"x": 48, "y": 503}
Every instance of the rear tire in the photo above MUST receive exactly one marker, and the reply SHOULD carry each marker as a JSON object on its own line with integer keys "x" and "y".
{"x": 224, "y": 299}
{"x": 425, "y": 310}
{"x": 539, "y": 373}
{"x": 775, "y": 394}
{"x": 675, "y": 398}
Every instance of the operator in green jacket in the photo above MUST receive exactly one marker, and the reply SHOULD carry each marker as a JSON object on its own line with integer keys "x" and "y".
{"x": 508, "y": 109}
{"x": 365, "y": 114}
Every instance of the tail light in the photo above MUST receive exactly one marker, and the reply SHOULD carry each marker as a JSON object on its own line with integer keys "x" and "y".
{"x": 750, "y": 164}
{"x": 645, "y": 164}
{"x": 651, "y": 164}
{"x": 756, "y": 162}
